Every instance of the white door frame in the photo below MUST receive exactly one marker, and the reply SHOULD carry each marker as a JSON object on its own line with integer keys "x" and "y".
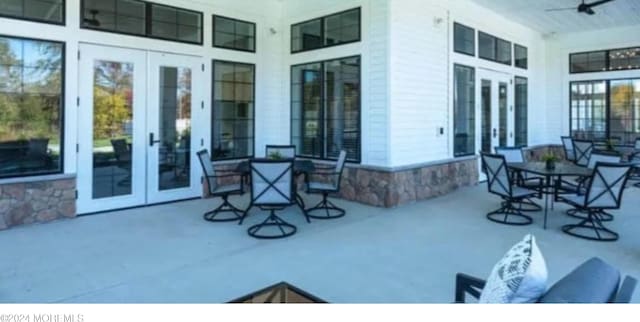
{"x": 198, "y": 121}
{"x": 89, "y": 55}
{"x": 145, "y": 101}
{"x": 496, "y": 78}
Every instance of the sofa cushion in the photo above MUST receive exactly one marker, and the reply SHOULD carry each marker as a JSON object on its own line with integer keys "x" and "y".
{"x": 592, "y": 282}
{"x": 519, "y": 277}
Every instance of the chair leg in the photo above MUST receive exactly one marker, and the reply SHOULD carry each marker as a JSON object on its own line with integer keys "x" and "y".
{"x": 591, "y": 228}
{"x": 583, "y": 214}
{"x": 509, "y": 215}
{"x": 527, "y": 205}
{"x": 225, "y": 207}
{"x": 284, "y": 229}
{"x": 331, "y": 211}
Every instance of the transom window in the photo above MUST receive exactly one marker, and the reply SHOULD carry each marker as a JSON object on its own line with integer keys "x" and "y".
{"x": 234, "y": 34}
{"x": 141, "y": 18}
{"x": 493, "y": 48}
{"x": 49, "y": 11}
{"x": 605, "y": 60}
{"x": 336, "y": 29}
{"x": 464, "y": 39}
{"x": 325, "y": 108}
{"x": 520, "y": 53}
{"x": 31, "y": 106}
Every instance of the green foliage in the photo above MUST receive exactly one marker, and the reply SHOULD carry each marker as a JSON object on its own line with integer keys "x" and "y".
{"x": 549, "y": 157}
{"x": 276, "y": 155}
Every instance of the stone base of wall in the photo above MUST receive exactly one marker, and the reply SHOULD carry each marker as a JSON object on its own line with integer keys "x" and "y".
{"x": 395, "y": 188}
{"x": 36, "y": 202}
{"x": 384, "y": 188}
{"x": 391, "y": 188}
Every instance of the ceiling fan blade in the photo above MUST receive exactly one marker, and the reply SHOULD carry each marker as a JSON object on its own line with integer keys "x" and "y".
{"x": 597, "y": 3}
{"x": 561, "y": 9}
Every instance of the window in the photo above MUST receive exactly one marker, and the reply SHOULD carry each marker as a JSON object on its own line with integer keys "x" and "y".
{"x": 49, "y": 11}
{"x": 624, "y": 59}
{"x": 464, "y": 109}
{"x": 589, "y": 110}
{"x": 175, "y": 24}
{"x": 624, "y": 114}
{"x": 521, "y": 111}
{"x": 464, "y": 40}
{"x": 606, "y": 109}
{"x": 605, "y": 60}
{"x": 325, "y": 108}
{"x": 588, "y": 62}
{"x": 520, "y": 53}
{"x": 233, "y": 110}
{"x": 234, "y": 34}
{"x": 141, "y": 18}
{"x": 494, "y": 49}
{"x": 336, "y": 29}
{"x": 31, "y": 101}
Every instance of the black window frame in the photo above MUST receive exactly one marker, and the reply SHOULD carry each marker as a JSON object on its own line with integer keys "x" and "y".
{"x": 322, "y": 30}
{"x": 213, "y": 100}
{"x": 473, "y": 31}
{"x": 608, "y": 108}
{"x": 497, "y": 40}
{"x": 475, "y": 89}
{"x": 148, "y": 22}
{"x": 323, "y": 100}
{"x": 607, "y": 61}
{"x": 213, "y": 33}
{"x": 515, "y": 112}
{"x": 517, "y": 47}
{"x": 61, "y": 23}
{"x": 62, "y": 111}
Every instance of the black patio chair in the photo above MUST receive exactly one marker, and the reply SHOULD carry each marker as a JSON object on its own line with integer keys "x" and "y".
{"x": 122, "y": 152}
{"x": 604, "y": 191}
{"x": 321, "y": 186}
{"x": 567, "y": 144}
{"x": 271, "y": 190}
{"x": 594, "y": 281}
{"x": 283, "y": 151}
{"x": 516, "y": 155}
{"x": 582, "y": 151}
{"x": 500, "y": 182}
{"x": 223, "y": 191}
{"x": 578, "y": 186}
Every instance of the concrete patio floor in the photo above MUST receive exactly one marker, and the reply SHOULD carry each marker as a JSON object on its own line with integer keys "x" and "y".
{"x": 408, "y": 254}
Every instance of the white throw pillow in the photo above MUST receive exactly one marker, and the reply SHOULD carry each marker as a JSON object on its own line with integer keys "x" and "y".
{"x": 519, "y": 277}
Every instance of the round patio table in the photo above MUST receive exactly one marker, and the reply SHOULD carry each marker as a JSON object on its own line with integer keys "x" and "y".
{"x": 550, "y": 186}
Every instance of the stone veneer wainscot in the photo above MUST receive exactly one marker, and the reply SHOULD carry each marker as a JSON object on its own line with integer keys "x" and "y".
{"x": 36, "y": 200}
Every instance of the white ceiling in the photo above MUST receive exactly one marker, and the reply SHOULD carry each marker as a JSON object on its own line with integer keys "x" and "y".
{"x": 531, "y": 13}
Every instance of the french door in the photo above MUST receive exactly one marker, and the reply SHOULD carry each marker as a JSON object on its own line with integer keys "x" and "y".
{"x": 495, "y": 108}
{"x": 137, "y": 128}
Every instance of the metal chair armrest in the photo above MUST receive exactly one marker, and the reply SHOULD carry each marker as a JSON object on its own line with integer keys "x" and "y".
{"x": 468, "y": 284}
{"x": 626, "y": 290}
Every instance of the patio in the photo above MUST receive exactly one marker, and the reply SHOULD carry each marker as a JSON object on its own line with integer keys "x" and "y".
{"x": 168, "y": 253}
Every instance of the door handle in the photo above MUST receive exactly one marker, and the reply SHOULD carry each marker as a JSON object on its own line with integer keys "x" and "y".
{"x": 495, "y": 133}
{"x": 151, "y": 140}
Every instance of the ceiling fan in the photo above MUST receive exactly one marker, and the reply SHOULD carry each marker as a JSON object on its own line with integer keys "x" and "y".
{"x": 583, "y": 7}
{"x": 93, "y": 21}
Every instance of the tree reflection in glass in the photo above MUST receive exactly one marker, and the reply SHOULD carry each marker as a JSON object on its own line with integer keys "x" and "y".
{"x": 112, "y": 128}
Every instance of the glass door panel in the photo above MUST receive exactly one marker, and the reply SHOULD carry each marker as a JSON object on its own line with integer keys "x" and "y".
{"x": 111, "y": 126}
{"x": 502, "y": 112}
{"x": 173, "y": 116}
{"x": 485, "y": 101}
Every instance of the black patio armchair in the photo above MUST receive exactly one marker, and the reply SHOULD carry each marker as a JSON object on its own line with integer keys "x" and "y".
{"x": 324, "y": 187}
{"x": 582, "y": 151}
{"x": 218, "y": 190}
{"x": 594, "y": 281}
{"x": 272, "y": 189}
{"x": 567, "y": 145}
{"x": 604, "y": 191}
{"x": 501, "y": 183}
